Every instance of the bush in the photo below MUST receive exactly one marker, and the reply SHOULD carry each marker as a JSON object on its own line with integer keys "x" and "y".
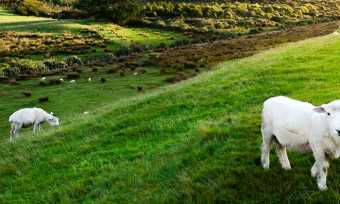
{"x": 73, "y": 76}
{"x": 95, "y": 69}
{"x": 162, "y": 45}
{"x": 219, "y": 25}
{"x": 41, "y": 83}
{"x": 43, "y": 99}
{"x": 27, "y": 66}
{"x": 254, "y": 31}
{"x": 181, "y": 42}
{"x": 112, "y": 70}
{"x": 54, "y": 81}
{"x": 122, "y": 73}
{"x": 325, "y": 20}
{"x": 137, "y": 47}
{"x": 27, "y": 93}
{"x": 103, "y": 79}
{"x": 53, "y": 63}
{"x": 143, "y": 70}
{"x": 123, "y": 51}
{"x": 139, "y": 88}
{"x": 21, "y": 11}
{"x": 281, "y": 27}
{"x": 73, "y": 60}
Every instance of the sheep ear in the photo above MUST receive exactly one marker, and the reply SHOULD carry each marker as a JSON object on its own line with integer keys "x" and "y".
{"x": 319, "y": 109}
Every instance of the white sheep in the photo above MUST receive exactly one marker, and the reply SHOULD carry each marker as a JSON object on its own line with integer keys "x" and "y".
{"x": 336, "y": 33}
{"x": 89, "y": 79}
{"x": 85, "y": 113}
{"x": 61, "y": 79}
{"x": 135, "y": 73}
{"x": 72, "y": 81}
{"x": 26, "y": 117}
{"x": 42, "y": 79}
{"x": 301, "y": 127}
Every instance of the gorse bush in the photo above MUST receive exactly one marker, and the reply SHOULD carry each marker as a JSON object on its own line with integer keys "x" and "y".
{"x": 73, "y": 60}
{"x": 162, "y": 45}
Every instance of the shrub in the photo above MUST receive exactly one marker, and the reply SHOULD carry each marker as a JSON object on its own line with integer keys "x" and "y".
{"x": 219, "y": 25}
{"x": 73, "y": 60}
{"x": 162, "y": 45}
{"x": 143, "y": 70}
{"x": 122, "y": 74}
{"x": 103, "y": 79}
{"x": 162, "y": 70}
{"x": 14, "y": 82}
{"x": 139, "y": 88}
{"x": 281, "y": 27}
{"x": 188, "y": 64}
{"x": 123, "y": 51}
{"x": 53, "y": 63}
{"x": 78, "y": 71}
{"x": 254, "y": 31}
{"x": 54, "y": 81}
{"x": 325, "y": 20}
{"x": 95, "y": 69}
{"x": 108, "y": 56}
{"x": 73, "y": 76}
{"x": 27, "y": 93}
{"x": 41, "y": 83}
{"x": 181, "y": 42}
{"x": 137, "y": 47}
{"x": 43, "y": 99}
{"x": 27, "y": 66}
{"x": 112, "y": 70}
{"x": 132, "y": 68}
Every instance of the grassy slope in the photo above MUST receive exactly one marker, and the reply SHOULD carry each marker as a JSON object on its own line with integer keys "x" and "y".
{"x": 9, "y": 21}
{"x": 197, "y": 141}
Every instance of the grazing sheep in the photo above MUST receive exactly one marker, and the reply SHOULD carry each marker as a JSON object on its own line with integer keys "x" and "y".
{"x": 135, "y": 73}
{"x": 72, "y": 81}
{"x": 89, "y": 79}
{"x": 336, "y": 33}
{"x": 42, "y": 79}
{"x": 26, "y": 117}
{"x": 301, "y": 127}
{"x": 61, "y": 79}
{"x": 85, "y": 113}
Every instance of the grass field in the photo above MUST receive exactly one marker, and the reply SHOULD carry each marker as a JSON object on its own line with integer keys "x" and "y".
{"x": 193, "y": 142}
{"x": 9, "y": 21}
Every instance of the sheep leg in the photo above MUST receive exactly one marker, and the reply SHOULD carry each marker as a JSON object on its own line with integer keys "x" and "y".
{"x": 12, "y": 131}
{"x": 36, "y": 126}
{"x": 282, "y": 153}
{"x": 314, "y": 170}
{"x": 266, "y": 145}
{"x": 17, "y": 129}
{"x": 322, "y": 166}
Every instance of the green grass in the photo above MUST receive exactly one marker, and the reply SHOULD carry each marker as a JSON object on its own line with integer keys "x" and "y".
{"x": 9, "y": 21}
{"x": 193, "y": 142}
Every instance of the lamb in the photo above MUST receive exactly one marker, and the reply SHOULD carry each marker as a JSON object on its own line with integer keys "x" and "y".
{"x": 72, "y": 81}
{"x": 301, "y": 127}
{"x": 42, "y": 79}
{"x": 26, "y": 117}
{"x": 89, "y": 79}
{"x": 135, "y": 73}
{"x": 61, "y": 79}
{"x": 85, "y": 113}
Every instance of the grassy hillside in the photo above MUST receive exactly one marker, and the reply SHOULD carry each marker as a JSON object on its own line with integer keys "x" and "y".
{"x": 193, "y": 142}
